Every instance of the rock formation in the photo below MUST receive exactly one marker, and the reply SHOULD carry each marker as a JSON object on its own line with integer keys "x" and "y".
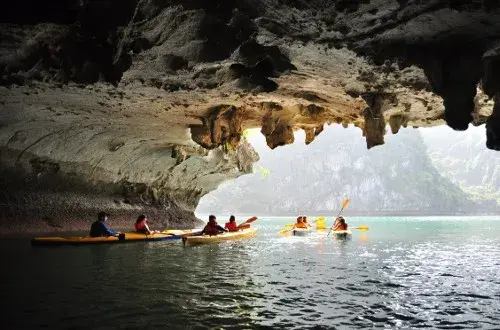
{"x": 98, "y": 97}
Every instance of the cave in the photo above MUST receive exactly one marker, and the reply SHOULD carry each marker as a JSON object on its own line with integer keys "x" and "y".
{"x": 140, "y": 106}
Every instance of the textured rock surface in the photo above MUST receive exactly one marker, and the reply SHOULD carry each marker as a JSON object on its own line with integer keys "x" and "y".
{"x": 86, "y": 82}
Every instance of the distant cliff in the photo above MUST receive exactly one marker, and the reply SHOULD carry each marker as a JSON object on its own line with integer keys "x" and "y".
{"x": 400, "y": 178}
{"x": 462, "y": 158}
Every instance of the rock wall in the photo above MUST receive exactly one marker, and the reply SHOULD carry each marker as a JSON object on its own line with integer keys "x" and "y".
{"x": 109, "y": 90}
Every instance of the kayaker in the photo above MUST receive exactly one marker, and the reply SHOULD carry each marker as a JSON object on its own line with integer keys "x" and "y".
{"x": 99, "y": 227}
{"x": 212, "y": 228}
{"x": 304, "y": 221}
{"x": 340, "y": 224}
{"x": 142, "y": 227}
{"x": 299, "y": 224}
{"x": 231, "y": 225}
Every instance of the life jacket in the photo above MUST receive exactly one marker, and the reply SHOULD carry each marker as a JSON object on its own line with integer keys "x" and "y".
{"x": 211, "y": 229}
{"x": 300, "y": 225}
{"x": 140, "y": 226}
{"x": 231, "y": 226}
{"x": 340, "y": 226}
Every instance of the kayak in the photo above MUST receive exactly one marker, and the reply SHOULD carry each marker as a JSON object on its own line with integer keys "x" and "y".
{"x": 301, "y": 231}
{"x": 342, "y": 233}
{"x": 122, "y": 238}
{"x": 205, "y": 239}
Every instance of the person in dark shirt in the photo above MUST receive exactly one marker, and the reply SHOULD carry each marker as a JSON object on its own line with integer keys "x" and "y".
{"x": 99, "y": 227}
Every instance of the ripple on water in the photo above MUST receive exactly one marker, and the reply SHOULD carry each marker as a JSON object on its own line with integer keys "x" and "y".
{"x": 431, "y": 280}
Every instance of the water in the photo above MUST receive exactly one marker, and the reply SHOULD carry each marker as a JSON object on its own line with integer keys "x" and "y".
{"x": 432, "y": 272}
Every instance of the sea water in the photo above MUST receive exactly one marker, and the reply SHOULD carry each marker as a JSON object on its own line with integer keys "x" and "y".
{"x": 404, "y": 272}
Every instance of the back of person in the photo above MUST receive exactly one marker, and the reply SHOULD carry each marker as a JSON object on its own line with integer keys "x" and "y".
{"x": 211, "y": 229}
{"x": 97, "y": 229}
{"x": 341, "y": 225}
{"x": 231, "y": 226}
{"x": 140, "y": 226}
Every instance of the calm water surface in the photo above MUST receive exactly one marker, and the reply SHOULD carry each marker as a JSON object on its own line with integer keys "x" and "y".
{"x": 429, "y": 272}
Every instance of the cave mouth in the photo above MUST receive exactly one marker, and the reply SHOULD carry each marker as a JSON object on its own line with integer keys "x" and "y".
{"x": 422, "y": 171}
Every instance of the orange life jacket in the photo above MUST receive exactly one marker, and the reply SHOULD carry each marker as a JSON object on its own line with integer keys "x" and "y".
{"x": 231, "y": 226}
{"x": 340, "y": 226}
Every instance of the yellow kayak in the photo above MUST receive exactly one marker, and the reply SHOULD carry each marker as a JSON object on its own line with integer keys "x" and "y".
{"x": 342, "y": 233}
{"x": 126, "y": 237}
{"x": 302, "y": 231}
{"x": 204, "y": 239}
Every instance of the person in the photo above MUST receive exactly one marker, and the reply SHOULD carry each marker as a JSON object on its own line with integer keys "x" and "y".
{"x": 99, "y": 228}
{"x": 231, "y": 225}
{"x": 340, "y": 224}
{"x": 299, "y": 224}
{"x": 212, "y": 228}
{"x": 142, "y": 227}
{"x": 304, "y": 221}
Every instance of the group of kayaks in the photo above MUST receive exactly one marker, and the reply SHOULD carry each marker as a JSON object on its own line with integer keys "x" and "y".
{"x": 188, "y": 237}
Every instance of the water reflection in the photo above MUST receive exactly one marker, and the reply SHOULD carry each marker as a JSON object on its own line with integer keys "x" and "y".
{"x": 386, "y": 277}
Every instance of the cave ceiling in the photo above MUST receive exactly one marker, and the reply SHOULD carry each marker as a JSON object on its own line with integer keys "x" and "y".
{"x": 165, "y": 70}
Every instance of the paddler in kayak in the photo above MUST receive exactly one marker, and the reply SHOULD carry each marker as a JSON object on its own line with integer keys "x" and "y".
{"x": 99, "y": 228}
{"x": 212, "y": 228}
{"x": 340, "y": 224}
{"x": 299, "y": 224}
{"x": 142, "y": 227}
{"x": 304, "y": 221}
{"x": 231, "y": 225}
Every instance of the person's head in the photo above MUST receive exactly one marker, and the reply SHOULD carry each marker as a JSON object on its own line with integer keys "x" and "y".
{"x": 212, "y": 219}
{"x": 141, "y": 218}
{"x": 102, "y": 216}
{"x": 232, "y": 218}
{"x": 299, "y": 219}
{"x": 304, "y": 218}
{"x": 342, "y": 220}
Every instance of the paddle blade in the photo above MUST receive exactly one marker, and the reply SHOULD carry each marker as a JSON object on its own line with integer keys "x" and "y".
{"x": 320, "y": 219}
{"x": 249, "y": 221}
{"x": 289, "y": 225}
{"x": 362, "y": 228}
{"x": 284, "y": 231}
{"x": 346, "y": 202}
{"x": 252, "y": 219}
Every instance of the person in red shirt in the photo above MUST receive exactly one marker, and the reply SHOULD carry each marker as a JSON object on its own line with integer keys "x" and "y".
{"x": 231, "y": 225}
{"x": 142, "y": 227}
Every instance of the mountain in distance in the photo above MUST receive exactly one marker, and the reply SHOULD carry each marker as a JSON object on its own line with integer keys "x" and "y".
{"x": 399, "y": 178}
{"x": 463, "y": 158}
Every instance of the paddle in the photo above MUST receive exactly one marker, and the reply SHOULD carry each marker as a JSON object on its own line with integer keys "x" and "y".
{"x": 247, "y": 223}
{"x": 361, "y": 228}
{"x": 346, "y": 202}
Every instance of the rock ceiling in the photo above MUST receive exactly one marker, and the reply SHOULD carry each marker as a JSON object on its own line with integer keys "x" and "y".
{"x": 89, "y": 85}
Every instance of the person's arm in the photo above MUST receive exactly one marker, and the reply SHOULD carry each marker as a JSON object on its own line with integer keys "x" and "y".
{"x": 107, "y": 231}
{"x": 221, "y": 229}
{"x": 147, "y": 229}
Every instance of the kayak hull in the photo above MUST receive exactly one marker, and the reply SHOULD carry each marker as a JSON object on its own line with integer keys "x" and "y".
{"x": 206, "y": 239}
{"x": 342, "y": 233}
{"x": 301, "y": 231}
{"x": 124, "y": 238}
